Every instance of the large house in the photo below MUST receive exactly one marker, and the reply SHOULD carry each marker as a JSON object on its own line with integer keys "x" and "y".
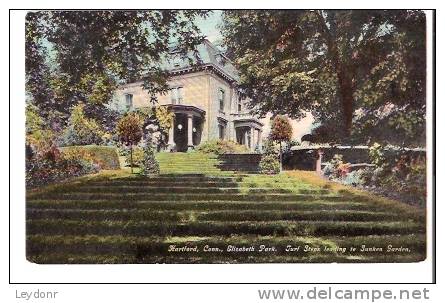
{"x": 205, "y": 102}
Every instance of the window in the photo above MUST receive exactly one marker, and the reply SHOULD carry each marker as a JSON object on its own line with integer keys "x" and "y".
{"x": 222, "y": 131}
{"x": 129, "y": 101}
{"x": 240, "y": 105}
{"x": 221, "y": 97}
{"x": 176, "y": 95}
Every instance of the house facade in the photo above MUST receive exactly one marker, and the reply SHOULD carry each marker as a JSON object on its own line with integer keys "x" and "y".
{"x": 204, "y": 100}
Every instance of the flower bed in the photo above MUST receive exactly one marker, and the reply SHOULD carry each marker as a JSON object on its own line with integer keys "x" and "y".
{"x": 399, "y": 176}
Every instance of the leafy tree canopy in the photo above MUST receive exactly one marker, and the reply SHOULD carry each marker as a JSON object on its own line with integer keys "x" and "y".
{"x": 281, "y": 129}
{"x": 358, "y": 72}
{"x": 81, "y": 56}
{"x": 129, "y": 129}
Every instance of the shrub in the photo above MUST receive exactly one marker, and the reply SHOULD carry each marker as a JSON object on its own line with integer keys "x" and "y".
{"x": 342, "y": 170}
{"x": 220, "y": 147}
{"x": 376, "y": 155}
{"x": 355, "y": 178}
{"x": 328, "y": 170}
{"x": 336, "y": 168}
{"x": 53, "y": 165}
{"x": 269, "y": 164}
{"x": 270, "y": 149}
{"x": 82, "y": 130}
{"x": 38, "y": 136}
{"x": 149, "y": 163}
{"x": 106, "y": 157}
{"x": 378, "y": 176}
{"x": 416, "y": 180}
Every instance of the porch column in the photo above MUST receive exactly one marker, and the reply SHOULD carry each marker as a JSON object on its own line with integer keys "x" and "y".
{"x": 252, "y": 139}
{"x": 232, "y": 131}
{"x": 246, "y": 138}
{"x": 318, "y": 162}
{"x": 190, "y": 132}
{"x": 171, "y": 139}
{"x": 260, "y": 140}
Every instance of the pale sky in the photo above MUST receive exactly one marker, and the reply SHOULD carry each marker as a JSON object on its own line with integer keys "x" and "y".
{"x": 209, "y": 27}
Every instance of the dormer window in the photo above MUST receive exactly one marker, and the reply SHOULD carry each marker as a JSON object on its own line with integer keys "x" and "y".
{"x": 129, "y": 101}
{"x": 176, "y": 95}
{"x": 221, "y": 99}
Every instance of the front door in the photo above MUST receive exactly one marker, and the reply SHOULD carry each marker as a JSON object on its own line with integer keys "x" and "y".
{"x": 181, "y": 132}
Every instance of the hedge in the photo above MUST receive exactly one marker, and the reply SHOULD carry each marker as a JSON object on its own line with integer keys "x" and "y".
{"x": 220, "y": 147}
{"x": 105, "y": 156}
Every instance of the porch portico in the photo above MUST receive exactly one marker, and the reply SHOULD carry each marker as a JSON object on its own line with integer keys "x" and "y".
{"x": 248, "y": 132}
{"x": 186, "y": 131}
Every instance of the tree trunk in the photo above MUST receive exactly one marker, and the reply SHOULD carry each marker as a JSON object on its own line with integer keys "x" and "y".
{"x": 344, "y": 77}
{"x": 281, "y": 159}
{"x": 131, "y": 158}
{"x": 347, "y": 99}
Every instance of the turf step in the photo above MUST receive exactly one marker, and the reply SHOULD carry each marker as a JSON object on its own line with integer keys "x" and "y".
{"x": 223, "y": 246}
{"x": 207, "y": 205}
{"x": 212, "y": 228}
{"x": 202, "y": 164}
{"x": 225, "y": 215}
{"x": 192, "y": 197}
{"x": 183, "y": 178}
{"x": 187, "y": 189}
{"x": 156, "y": 189}
{"x": 184, "y": 170}
{"x": 58, "y": 258}
{"x": 170, "y": 184}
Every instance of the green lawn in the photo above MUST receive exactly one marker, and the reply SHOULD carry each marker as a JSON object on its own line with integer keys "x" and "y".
{"x": 117, "y": 217}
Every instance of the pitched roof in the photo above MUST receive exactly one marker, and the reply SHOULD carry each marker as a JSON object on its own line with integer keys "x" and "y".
{"x": 208, "y": 55}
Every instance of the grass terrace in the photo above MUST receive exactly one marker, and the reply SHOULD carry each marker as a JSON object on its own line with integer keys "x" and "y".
{"x": 194, "y": 213}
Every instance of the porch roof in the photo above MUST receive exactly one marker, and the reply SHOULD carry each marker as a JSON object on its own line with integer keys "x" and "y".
{"x": 186, "y": 109}
{"x": 248, "y": 122}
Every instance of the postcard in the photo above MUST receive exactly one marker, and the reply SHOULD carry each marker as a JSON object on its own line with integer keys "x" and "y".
{"x": 226, "y": 136}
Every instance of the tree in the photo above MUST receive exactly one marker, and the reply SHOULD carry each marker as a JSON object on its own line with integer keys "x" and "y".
{"x": 82, "y": 130}
{"x": 129, "y": 130}
{"x": 362, "y": 67}
{"x": 280, "y": 131}
{"x": 81, "y": 56}
{"x": 164, "y": 117}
